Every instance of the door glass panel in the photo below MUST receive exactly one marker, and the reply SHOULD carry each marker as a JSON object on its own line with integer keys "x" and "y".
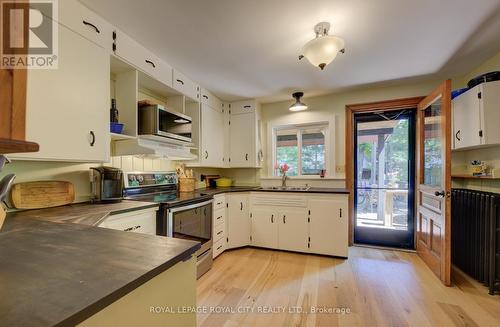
{"x": 433, "y": 154}
{"x": 384, "y": 178}
{"x": 287, "y": 150}
{"x": 313, "y": 151}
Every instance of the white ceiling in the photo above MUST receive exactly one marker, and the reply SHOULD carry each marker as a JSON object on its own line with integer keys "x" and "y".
{"x": 249, "y": 48}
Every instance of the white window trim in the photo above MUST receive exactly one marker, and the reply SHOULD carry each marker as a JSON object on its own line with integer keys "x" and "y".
{"x": 329, "y": 145}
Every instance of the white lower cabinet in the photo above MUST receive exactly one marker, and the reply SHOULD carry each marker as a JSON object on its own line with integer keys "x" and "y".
{"x": 328, "y": 226}
{"x": 137, "y": 221}
{"x": 264, "y": 223}
{"x": 238, "y": 220}
{"x": 308, "y": 223}
{"x": 293, "y": 230}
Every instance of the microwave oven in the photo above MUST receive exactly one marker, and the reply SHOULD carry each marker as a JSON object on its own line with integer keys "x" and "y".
{"x": 160, "y": 121}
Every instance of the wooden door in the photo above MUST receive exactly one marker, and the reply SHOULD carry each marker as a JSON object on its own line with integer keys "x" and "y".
{"x": 292, "y": 231}
{"x": 264, "y": 227}
{"x": 434, "y": 181}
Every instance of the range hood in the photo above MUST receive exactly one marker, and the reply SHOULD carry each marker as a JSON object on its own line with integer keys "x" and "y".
{"x": 153, "y": 146}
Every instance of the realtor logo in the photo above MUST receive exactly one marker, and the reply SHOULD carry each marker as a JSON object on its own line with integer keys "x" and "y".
{"x": 29, "y": 34}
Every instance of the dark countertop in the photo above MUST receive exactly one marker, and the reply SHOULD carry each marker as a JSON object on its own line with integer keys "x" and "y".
{"x": 219, "y": 190}
{"x": 53, "y": 273}
{"x": 83, "y": 213}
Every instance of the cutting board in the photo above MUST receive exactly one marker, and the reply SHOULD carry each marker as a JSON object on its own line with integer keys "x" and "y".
{"x": 39, "y": 195}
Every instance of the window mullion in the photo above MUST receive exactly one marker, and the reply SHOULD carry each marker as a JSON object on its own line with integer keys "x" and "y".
{"x": 299, "y": 152}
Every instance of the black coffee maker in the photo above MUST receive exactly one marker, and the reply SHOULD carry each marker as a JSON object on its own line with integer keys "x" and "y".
{"x": 107, "y": 184}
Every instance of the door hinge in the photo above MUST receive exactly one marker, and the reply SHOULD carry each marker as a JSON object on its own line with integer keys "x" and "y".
{"x": 229, "y": 122}
{"x": 114, "y": 47}
{"x": 308, "y": 245}
{"x": 114, "y": 35}
{"x": 250, "y": 238}
{"x": 480, "y": 95}
{"x": 227, "y": 205}
{"x": 308, "y": 219}
{"x": 309, "y": 212}
{"x": 309, "y": 239}
{"x": 481, "y": 133}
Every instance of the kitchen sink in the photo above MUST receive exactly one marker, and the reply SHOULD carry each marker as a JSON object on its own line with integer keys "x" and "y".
{"x": 287, "y": 188}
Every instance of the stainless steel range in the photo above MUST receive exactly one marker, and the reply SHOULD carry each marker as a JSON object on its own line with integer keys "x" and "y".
{"x": 181, "y": 215}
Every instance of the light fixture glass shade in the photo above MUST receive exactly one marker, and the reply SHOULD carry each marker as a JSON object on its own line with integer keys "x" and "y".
{"x": 298, "y": 105}
{"x": 322, "y": 50}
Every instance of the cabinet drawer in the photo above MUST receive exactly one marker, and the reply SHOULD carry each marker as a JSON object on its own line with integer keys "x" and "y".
{"x": 85, "y": 22}
{"x": 219, "y": 232}
{"x": 218, "y": 247}
{"x": 181, "y": 83}
{"x": 208, "y": 98}
{"x": 142, "y": 221}
{"x": 219, "y": 217}
{"x": 219, "y": 202}
{"x": 242, "y": 107}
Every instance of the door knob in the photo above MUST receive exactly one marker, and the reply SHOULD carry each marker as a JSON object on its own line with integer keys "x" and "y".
{"x": 441, "y": 194}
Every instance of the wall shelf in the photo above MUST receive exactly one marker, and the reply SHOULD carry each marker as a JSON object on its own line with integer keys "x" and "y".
{"x": 117, "y": 137}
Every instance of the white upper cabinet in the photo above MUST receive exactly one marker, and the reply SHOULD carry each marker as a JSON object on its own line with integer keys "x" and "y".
{"x": 68, "y": 107}
{"x": 128, "y": 49}
{"x": 209, "y": 99}
{"x": 476, "y": 114}
{"x": 245, "y": 148}
{"x": 212, "y": 137}
{"x": 184, "y": 85}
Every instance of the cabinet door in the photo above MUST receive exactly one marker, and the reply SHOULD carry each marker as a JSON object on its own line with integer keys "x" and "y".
{"x": 212, "y": 137}
{"x": 264, "y": 227}
{"x": 68, "y": 107}
{"x": 85, "y": 22}
{"x": 242, "y": 143}
{"x": 238, "y": 220}
{"x": 293, "y": 235}
{"x": 490, "y": 112}
{"x": 466, "y": 119}
{"x": 243, "y": 107}
{"x": 328, "y": 228}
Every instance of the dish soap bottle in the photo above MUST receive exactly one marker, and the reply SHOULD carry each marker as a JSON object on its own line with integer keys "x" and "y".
{"x": 113, "y": 112}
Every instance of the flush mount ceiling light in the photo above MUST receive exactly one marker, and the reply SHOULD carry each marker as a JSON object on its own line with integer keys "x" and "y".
{"x": 298, "y": 105}
{"x": 321, "y": 50}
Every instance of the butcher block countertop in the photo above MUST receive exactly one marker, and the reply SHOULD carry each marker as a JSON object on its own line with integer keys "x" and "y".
{"x": 83, "y": 213}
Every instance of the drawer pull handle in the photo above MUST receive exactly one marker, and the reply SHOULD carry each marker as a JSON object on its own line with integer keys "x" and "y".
{"x": 128, "y": 229}
{"x": 219, "y": 217}
{"x": 219, "y": 203}
{"x": 151, "y": 63}
{"x": 90, "y": 24}
{"x": 457, "y": 135}
{"x": 246, "y": 157}
{"x": 284, "y": 219}
{"x": 180, "y": 81}
{"x": 93, "y": 138}
{"x": 206, "y": 97}
{"x": 272, "y": 219}
{"x": 247, "y": 107}
{"x": 241, "y": 206}
{"x": 219, "y": 247}
{"x": 220, "y": 232}
{"x": 340, "y": 212}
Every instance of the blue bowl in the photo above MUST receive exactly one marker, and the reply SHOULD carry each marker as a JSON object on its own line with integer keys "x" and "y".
{"x": 456, "y": 93}
{"x": 116, "y": 128}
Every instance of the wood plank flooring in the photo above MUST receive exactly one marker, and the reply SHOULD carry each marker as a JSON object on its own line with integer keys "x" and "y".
{"x": 373, "y": 288}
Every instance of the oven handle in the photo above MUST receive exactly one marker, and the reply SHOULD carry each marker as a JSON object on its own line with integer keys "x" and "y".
{"x": 192, "y": 206}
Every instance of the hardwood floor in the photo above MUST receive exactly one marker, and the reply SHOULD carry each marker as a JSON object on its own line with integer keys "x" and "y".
{"x": 378, "y": 287}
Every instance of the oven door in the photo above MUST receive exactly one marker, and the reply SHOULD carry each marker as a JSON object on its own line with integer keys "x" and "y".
{"x": 191, "y": 222}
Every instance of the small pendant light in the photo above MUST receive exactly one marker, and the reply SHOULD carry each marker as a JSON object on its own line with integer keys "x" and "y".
{"x": 298, "y": 105}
